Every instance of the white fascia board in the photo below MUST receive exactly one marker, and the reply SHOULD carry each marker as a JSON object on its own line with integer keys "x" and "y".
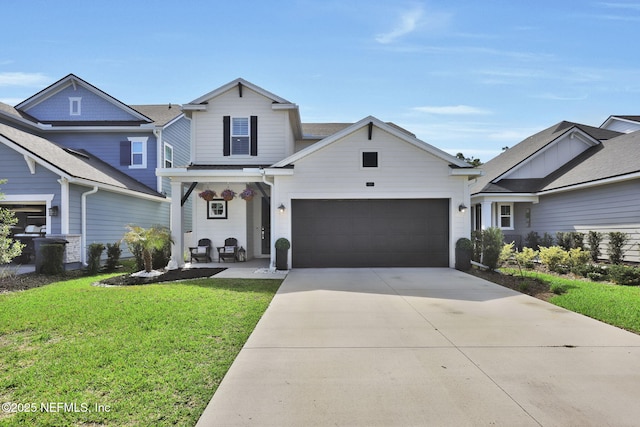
{"x": 194, "y": 107}
{"x": 186, "y": 175}
{"x": 147, "y": 127}
{"x": 466, "y": 172}
{"x": 504, "y": 198}
{"x": 224, "y": 88}
{"x": 278, "y": 172}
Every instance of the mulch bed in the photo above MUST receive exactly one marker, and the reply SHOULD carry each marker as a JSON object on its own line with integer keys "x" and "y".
{"x": 26, "y": 281}
{"x": 526, "y": 285}
{"x": 168, "y": 276}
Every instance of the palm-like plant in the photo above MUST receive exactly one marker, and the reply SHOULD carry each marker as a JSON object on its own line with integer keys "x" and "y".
{"x": 148, "y": 240}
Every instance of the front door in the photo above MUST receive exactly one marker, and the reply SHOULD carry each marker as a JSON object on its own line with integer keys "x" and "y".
{"x": 266, "y": 227}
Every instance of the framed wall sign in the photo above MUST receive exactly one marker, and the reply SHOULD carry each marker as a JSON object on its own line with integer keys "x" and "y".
{"x": 217, "y": 209}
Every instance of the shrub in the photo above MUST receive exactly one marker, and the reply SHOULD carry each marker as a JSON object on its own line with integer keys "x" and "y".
{"x": 464, "y": 243}
{"x": 577, "y": 259}
{"x": 492, "y": 242}
{"x": 506, "y": 254}
{"x": 558, "y": 288}
{"x": 532, "y": 240}
{"x": 624, "y": 275}
{"x": 546, "y": 240}
{"x": 526, "y": 257}
{"x": 570, "y": 240}
{"x": 144, "y": 242}
{"x": 161, "y": 257}
{"x": 282, "y": 243}
{"x": 113, "y": 256}
{"x": 52, "y": 256}
{"x": 594, "y": 239}
{"x": 94, "y": 254}
{"x": 615, "y": 249}
{"x": 593, "y": 272}
{"x": 554, "y": 258}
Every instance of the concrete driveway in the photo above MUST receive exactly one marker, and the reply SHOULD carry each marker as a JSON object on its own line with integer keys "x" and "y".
{"x": 425, "y": 347}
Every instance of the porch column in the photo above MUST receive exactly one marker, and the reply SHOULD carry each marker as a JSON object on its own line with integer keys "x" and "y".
{"x": 177, "y": 229}
{"x": 487, "y": 216}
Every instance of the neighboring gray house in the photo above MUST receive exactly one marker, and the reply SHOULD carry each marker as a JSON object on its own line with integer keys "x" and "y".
{"x": 569, "y": 177}
{"x": 345, "y": 195}
{"x": 80, "y": 164}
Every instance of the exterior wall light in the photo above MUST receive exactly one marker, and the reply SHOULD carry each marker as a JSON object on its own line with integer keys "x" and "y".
{"x": 53, "y": 211}
{"x": 462, "y": 207}
{"x": 281, "y": 208}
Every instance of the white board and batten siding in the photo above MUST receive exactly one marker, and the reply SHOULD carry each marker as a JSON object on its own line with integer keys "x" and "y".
{"x": 404, "y": 172}
{"x": 275, "y": 136}
{"x": 605, "y": 208}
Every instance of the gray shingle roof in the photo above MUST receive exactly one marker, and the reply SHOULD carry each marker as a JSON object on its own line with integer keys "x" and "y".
{"x": 76, "y": 163}
{"x": 525, "y": 149}
{"x": 161, "y": 114}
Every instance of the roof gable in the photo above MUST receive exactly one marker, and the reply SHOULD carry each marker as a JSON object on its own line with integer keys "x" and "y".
{"x": 507, "y": 163}
{"x": 624, "y": 124}
{"x": 51, "y": 105}
{"x": 372, "y": 121}
{"x": 240, "y": 84}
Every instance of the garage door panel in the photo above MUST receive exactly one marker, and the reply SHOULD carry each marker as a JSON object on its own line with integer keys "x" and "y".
{"x": 365, "y": 233}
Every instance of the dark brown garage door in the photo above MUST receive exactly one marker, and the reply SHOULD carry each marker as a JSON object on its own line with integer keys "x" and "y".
{"x": 370, "y": 233}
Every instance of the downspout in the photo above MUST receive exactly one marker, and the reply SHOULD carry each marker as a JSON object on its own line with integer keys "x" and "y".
{"x": 83, "y": 248}
{"x": 272, "y": 220}
{"x": 160, "y": 157}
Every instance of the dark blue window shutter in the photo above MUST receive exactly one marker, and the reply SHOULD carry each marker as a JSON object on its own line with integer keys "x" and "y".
{"x": 254, "y": 135}
{"x": 226, "y": 135}
{"x": 125, "y": 153}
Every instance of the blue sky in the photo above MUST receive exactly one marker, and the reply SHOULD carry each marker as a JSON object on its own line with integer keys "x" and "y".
{"x": 465, "y": 76}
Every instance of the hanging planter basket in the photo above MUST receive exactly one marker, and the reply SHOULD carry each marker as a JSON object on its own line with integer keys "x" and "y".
{"x": 247, "y": 194}
{"x": 228, "y": 194}
{"x": 208, "y": 195}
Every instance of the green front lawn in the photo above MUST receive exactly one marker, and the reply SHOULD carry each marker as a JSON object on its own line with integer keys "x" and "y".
{"x": 76, "y": 354}
{"x": 613, "y": 304}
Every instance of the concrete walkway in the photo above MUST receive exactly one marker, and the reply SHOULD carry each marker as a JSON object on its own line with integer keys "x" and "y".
{"x": 425, "y": 347}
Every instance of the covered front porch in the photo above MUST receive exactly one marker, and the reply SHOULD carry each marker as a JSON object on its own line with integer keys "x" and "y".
{"x": 511, "y": 213}
{"x": 246, "y": 217}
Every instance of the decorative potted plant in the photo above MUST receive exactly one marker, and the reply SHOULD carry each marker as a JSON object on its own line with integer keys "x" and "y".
{"x": 247, "y": 194}
{"x": 208, "y": 195}
{"x": 228, "y": 194}
{"x": 464, "y": 250}
{"x": 282, "y": 254}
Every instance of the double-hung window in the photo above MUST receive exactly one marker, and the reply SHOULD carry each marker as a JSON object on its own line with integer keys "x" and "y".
{"x": 168, "y": 156}
{"x": 133, "y": 152}
{"x": 240, "y": 136}
{"x": 505, "y": 216}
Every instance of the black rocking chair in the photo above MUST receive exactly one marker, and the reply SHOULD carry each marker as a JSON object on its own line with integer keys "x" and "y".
{"x": 202, "y": 251}
{"x": 229, "y": 250}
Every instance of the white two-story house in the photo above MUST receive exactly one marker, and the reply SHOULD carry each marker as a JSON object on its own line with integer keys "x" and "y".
{"x": 345, "y": 195}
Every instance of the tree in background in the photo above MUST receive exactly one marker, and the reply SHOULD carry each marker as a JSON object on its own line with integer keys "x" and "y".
{"x": 471, "y": 160}
{"x": 9, "y": 248}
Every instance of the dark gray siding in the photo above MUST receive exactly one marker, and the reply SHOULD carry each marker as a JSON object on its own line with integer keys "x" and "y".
{"x": 613, "y": 207}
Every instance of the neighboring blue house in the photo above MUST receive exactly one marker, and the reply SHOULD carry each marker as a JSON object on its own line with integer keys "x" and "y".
{"x": 80, "y": 164}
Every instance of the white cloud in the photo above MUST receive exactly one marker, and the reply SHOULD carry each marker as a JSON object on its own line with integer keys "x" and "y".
{"x": 413, "y": 20}
{"x": 453, "y": 110}
{"x": 23, "y": 79}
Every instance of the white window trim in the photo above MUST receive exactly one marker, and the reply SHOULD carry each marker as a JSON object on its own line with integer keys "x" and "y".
{"x": 499, "y": 216}
{"x": 164, "y": 155}
{"x": 77, "y": 101}
{"x": 248, "y": 135}
{"x": 143, "y": 140}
